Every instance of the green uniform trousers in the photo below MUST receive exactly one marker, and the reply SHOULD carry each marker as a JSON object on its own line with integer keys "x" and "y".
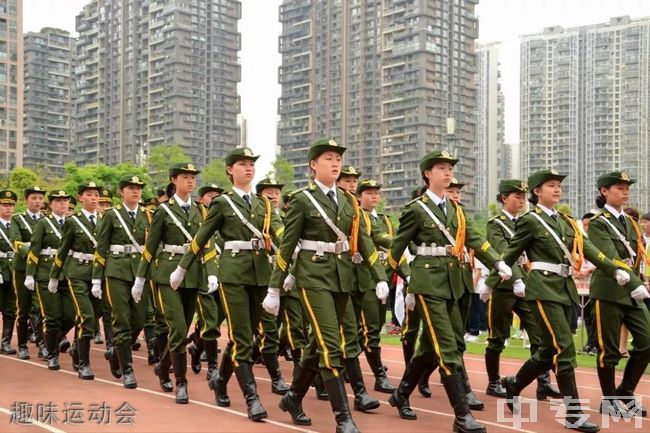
{"x": 243, "y": 308}
{"x": 57, "y": 308}
{"x": 349, "y": 328}
{"x": 367, "y": 309}
{"x": 556, "y": 348}
{"x": 26, "y": 302}
{"x": 607, "y": 318}
{"x": 208, "y": 311}
{"x": 410, "y": 328}
{"x": 325, "y": 311}
{"x": 7, "y": 301}
{"x": 83, "y": 302}
{"x": 294, "y": 321}
{"x": 500, "y": 306}
{"x": 157, "y": 320}
{"x": 178, "y": 308}
{"x": 127, "y": 316}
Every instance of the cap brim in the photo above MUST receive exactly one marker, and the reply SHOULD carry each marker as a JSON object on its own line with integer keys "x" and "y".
{"x": 317, "y": 151}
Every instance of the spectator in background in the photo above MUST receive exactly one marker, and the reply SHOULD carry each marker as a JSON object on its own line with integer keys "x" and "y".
{"x": 582, "y": 279}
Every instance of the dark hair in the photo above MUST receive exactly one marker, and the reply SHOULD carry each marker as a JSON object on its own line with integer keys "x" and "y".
{"x": 425, "y": 179}
{"x": 632, "y": 212}
{"x": 533, "y": 198}
{"x": 601, "y": 201}
{"x": 170, "y": 190}
{"x": 588, "y": 215}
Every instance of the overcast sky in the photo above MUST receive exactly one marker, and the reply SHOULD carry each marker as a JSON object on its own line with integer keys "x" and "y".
{"x": 499, "y": 20}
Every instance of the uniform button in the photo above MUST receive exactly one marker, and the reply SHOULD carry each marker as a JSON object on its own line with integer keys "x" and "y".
{"x": 426, "y": 266}
{"x": 451, "y": 265}
{"x": 133, "y": 256}
{"x": 563, "y": 238}
{"x": 545, "y": 272}
{"x": 257, "y": 253}
{"x": 338, "y": 256}
{"x": 338, "y": 218}
{"x": 252, "y": 215}
{"x": 313, "y": 258}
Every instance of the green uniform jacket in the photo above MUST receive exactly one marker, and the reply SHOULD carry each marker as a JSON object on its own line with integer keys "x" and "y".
{"x": 120, "y": 266}
{"x": 332, "y": 272}
{"x": 251, "y": 268}
{"x": 606, "y": 240}
{"x": 437, "y": 276}
{"x": 500, "y": 239}
{"x": 74, "y": 239}
{"x": 6, "y": 265}
{"x": 382, "y": 235}
{"x": 164, "y": 231}
{"x": 43, "y": 238}
{"x": 22, "y": 228}
{"x": 540, "y": 246}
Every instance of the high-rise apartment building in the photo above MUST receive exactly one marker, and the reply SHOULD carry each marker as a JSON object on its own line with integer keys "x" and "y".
{"x": 48, "y": 99}
{"x": 11, "y": 85}
{"x": 152, "y": 72}
{"x": 585, "y": 97}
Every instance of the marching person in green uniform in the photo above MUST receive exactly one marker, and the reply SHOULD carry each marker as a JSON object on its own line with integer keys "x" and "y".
{"x": 440, "y": 230}
{"x": 102, "y": 306}
{"x": 56, "y": 304}
{"x": 75, "y": 257}
{"x": 120, "y": 239}
{"x": 7, "y": 294}
{"x": 174, "y": 224}
{"x": 501, "y": 301}
{"x": 246, "y": 224}
{"x": 22, "y": 228}
{"x": 554, "y": 246}
{"x": 618, "y": 236}
{"x": 324, "y": 221}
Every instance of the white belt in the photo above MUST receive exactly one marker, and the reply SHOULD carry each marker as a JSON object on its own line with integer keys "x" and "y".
{"x": 558, "y": 269}
{"x": 6, "y": 255}
{"x": 521, "y": 261}
{"x": 434, "y": 251}
{"x": 123, "y": 249}
{"x": 237, "y": 246}
{"x": 86, "y": 257}
{"x": 176, "y": 249}
{"x": 49, "y": 251}
{"x": 321, "y": 248}
{"x": 27, "y": 244}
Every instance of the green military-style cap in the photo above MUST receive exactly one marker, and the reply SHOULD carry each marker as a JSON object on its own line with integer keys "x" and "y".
{"x": 507, "y": 186}
{"x": 105, "y": 196}
{"x": 239, "y": 154}
{"x": 53, "y": 195}
{"x": 130, "y": 180}
{"x": 434, "y": 157}
{"x": 183, "y": 167}
{"x": 160, "y": 191}
{"x": 209, "y": 188}
{"x": 539, "y": 177}
{"x": 151, "y": 201}
{"x": 34, "y": 190}
{"x": 267, "y": 182}
{"x": 350, "y": 170}
{"x": 7, "y": 196}
{"x": 323, "y": 145}
{"x": 89, "y": 185}
{"x": 455, "y": 184}
{"x": 614, "y": 178}
{"x": 72, "y": 203}
{"x": 367, "y": 184}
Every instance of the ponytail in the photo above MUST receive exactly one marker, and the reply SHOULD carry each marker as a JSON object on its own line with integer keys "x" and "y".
{"x": 600, "y": 201}
{"x": 170, "y": 190}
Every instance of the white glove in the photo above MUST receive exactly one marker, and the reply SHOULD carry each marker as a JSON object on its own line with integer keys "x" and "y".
{"x": 96, "y": 289}
{"x": 271, "y": 302}
{"x": 381, "y": 290}
{"x": 289, "y": 282}
{"x": 485, "y": 292}
{"x": 640, "y": 293}
{"x": 622, "y": 277}
{"x": 53, "y": 285}
{"x": 137, "y": 289}
{"x": 213, "y": 283}
{"x": 176, "y": 277}
{"x": 409, "y": 301}
{"x": 29, "y": 282}
{"x": 519, "y": 288}
{"x": 408, "y": 280}
{"x": 2, "y": 280}
{"x": 504, "y": 270}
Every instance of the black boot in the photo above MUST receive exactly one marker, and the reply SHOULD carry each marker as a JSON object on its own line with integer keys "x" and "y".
{"x": 407, "y": 351}
{"x": 40, "y": 339}
{"x": 244, "y": 374}
{"x": 195, "y": 355}
{"x": 362, "y": 401}
{"x": 64, "y": 344}
{"x": 152, "y": 356}
{"x": 423, "y": 383}
{"x": 23, "y": 337}
{"x": 296, "y": 356}
{"x": 515, "y": 384}
{"x": 473, "y": 402}
{"x": 545, "y": 388}
{"x": 494, "y": 387}
{"x": 574, "y": 418}
{"x": 609, "y": 404}
{"x": 321, "y": 393}
{"x": 464, "y": 421}
{"x": 339, "y": 402}
{"x": 126, "y": 363}
{"x": 113, "y": 362}
{"x": 7, "y": 331}
{"x": 162, "y": 368}
{"x": 52, "y": 342}
{"x": 400, "y": 397}
{"x": 634, "y": 369}
{"x": 381, "y": 381}
{"x": 213, "y": 371}
{"x": 225, "y": 372}
{"x": 179, "y": 361}
{"x": 292, "y": 401}
{"x": 83, "y": 349}
{"x": 278, "y": 385}
{"x": 74, "y": 354}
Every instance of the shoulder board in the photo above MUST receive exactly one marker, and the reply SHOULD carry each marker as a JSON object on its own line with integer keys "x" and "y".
{"x": 170, "y": 201}
{"x": 310, "y": 187}
{"x": 566, "y": 215}
{"x": 79, "y": 214}
{"x": 601, "y": 213}
{"x": 422, "y": 197}
{"x": 230, "y": 193}
{"x": 496, "y": 217}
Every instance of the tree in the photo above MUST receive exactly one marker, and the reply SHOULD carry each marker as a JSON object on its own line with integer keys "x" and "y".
{"x": 564, "y": 208}
{"x": 215, "y": 172}
{"x": 106, "y": 176}
{"x": 284, "y": 173}
{"x": 159, "y": 160}
{"x": 22, "y": 178}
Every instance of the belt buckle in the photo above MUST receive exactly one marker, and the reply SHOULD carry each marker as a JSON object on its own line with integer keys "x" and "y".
{"x": 338, "y": 247}
{"x": 448, "y": 250}
{"x": 565, "y": 270}
{"x": 127, "y": 249}
{"x": 256, "y": 244}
